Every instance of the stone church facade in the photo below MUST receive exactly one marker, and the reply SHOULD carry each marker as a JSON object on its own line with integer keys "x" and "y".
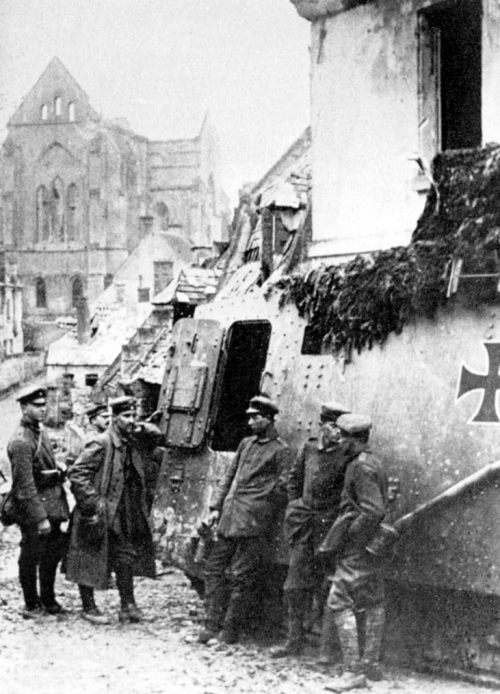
{"x": 78, "y": 193}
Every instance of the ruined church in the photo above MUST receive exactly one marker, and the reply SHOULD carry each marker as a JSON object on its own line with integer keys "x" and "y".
{"x": 78, "y": 193}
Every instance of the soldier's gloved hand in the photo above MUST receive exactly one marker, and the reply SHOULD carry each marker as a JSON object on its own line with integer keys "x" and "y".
{"x": 43, "y": 527}
{"x": 213, "y": 517}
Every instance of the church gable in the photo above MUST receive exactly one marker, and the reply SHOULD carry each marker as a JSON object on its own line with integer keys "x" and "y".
{"x": 55, "y": 98}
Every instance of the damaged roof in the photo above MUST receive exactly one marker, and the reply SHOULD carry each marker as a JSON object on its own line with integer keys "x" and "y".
{"x": 193, "y": 285}
{"x": 288, "y": 182}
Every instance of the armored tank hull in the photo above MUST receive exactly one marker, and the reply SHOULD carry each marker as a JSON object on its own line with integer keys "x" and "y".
{"x": 430, "y": 392}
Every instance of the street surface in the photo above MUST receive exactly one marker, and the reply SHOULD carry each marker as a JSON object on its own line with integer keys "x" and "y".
{"x": 66, "y": 655}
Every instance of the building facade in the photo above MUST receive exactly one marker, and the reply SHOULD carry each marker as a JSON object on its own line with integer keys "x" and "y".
{"x": 78, "y": 194}
{"x": 414, "y": 79}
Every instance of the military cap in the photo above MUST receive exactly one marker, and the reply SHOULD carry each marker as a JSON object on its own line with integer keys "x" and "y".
{"x": 93, "y": 410}
{"x": 261, "y": 404}
{"x": 331, "y": 411}
{"x": 122, "y": 404}
{"x": 354, "y": 423}
{"x": 32, "y": 394}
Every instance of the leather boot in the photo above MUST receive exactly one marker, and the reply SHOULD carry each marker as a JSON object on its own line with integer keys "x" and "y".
{"x": 374, "y": 629}
{"x": 236, "y": 617}
{"x": 352, "y": 677}
{"x": 129, "y": 612}
{"x": 329, "y": 646}
{"x": 294, "y": 645}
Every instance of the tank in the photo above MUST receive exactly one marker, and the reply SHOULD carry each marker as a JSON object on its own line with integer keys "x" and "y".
{"x": 428, "y": 379}
{"x": 444, "y": 578}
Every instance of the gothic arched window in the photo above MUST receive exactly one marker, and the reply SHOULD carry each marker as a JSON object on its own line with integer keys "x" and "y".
{"x": 71, "y": 112}
{"x": 42, "y": 215}
{"x": 71, "y": 212}
{"x": 41, "y": 293}
{"x": 57, "y": 106}
{"x": 76, "y": 291}
{"x": 57, "y": 211}
{"x": 44, "y": 112}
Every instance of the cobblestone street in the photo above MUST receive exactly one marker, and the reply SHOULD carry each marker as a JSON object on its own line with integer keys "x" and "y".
{"x": 66, "y": 654}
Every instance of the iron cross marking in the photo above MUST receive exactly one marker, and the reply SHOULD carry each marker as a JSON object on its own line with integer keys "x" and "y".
{"x": 488, "y": 383}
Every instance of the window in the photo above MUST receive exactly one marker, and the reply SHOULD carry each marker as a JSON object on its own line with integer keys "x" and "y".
{"x": 163, "y": 274}
{"x": 44, "y": 112}
{"x": 41, "y": 293}
{"x": 76, "y": 291}
{"x": 57, "y": 211}
{"x": 57, "y": 105}
{"x": 1, "y": 227}
{"x": 42, "y": 215}
{"x": 91, "y": 379}
{"x": 143, "y": 295}
{"x": 71, "y": 205}
{"x": 450, "y": 76}
{"x": 246, "y": 352}
{"x": 71, "y": 112}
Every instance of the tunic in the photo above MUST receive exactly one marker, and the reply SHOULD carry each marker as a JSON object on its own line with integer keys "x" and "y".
{"x": 314, "y": 490}
{"x": 36, "y": 480}
{"x": 357, "y": 583}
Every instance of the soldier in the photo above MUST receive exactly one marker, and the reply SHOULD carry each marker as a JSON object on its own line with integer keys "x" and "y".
{"x": 314, "y": 489}
{"x": 98, "y": 416}
{"x": 41, "y": 505}
{"x": 245, "y": 509}
{"x": 111, "y": 529}
{"x": 357, "y": 592}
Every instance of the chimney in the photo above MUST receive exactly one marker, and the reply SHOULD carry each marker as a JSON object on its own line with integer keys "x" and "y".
{"x": 83, "y": 321}
{"x": 120, "y": 292}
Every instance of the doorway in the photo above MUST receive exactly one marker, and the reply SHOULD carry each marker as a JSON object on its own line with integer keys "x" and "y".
{"x": 244, "y": 360}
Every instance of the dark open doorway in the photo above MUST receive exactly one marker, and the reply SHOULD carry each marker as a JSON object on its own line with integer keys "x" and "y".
{"x": 245, "y": 360}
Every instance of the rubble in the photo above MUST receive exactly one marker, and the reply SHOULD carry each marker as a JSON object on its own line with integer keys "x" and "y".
{"x": 66, "y": 653}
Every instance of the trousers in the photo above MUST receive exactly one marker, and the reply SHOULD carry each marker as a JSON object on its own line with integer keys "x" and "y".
{"x": 38, "y": 560}
{"x": 357, "y": 584}
{"x": 228, "y": 598}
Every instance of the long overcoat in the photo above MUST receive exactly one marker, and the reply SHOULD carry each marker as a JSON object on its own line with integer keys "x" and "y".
{"x": 98, "y": 476}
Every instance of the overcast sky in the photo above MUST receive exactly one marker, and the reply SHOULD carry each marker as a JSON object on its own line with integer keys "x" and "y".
{"x": 161, "y": 64}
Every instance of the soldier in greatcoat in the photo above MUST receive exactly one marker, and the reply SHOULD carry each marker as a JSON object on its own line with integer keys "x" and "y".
{"x": 99, "y": 417}
{"x": 111, "y": 529}
{"x": 40, "y": 504}
{"x": 314, "y": 488}
{"x": 356, "y": 596}
{"x": 244, "y": 508}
